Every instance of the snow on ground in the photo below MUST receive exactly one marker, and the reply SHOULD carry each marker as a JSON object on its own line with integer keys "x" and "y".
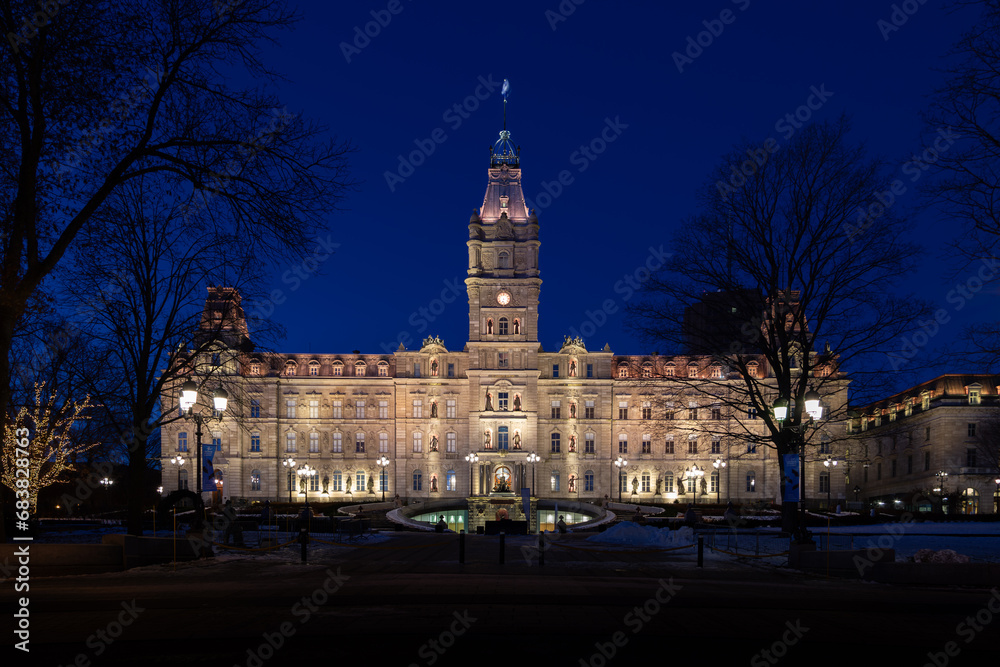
{"x": 629, "y": 534}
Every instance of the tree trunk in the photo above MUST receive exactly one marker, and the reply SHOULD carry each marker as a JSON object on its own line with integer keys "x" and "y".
{"x": 136, "y": 479}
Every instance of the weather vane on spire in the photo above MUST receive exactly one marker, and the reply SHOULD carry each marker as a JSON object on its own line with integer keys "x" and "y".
{"x": 503, "y": 151}
{"x": 505, "y": 91}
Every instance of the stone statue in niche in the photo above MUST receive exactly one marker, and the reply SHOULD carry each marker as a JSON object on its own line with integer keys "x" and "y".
{"x": 517, "y": 326}
{"x": 572, "y": 442}
{"x": 659, "y": 485}
{"x": 489, "y": 401}
{"x": 486, "y": 439}
{"x": 434, "y": 483}
{"x": 572, "y": 368}
{"x": 517, "y": 440}
{"x": 434, "y": 443}
{"x": 371, "y": 485}
{"x": 348, "y": 484}
{"x": 572, "y": 483}
{"x": 434, "y": 409}
{"x": 326, "y": 484}
{"x": 517, "y": 402}
{"x": 572, "y": 410}
{"x": 635, "y": 485}
{"x": 504, "y": 230}
{"x": 489, "y": 326}
{"x": 434, "y": 368}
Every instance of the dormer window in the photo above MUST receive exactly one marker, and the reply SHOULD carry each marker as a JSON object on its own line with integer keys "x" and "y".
{"x": 254, "y": 368}
{"x": 503, "y": 201}
{"x": 338, "y": 368}
{"x": 290, "y": 367}
{"x": 314, "y": 368}
{"x": 623, "y": 370}
{"x": 383, "y": 369}
{"x": 359, "y": 369}
{"x": 647, "y": 370}
{"x": 925, "y": 401}
{"x": 975, "y": 394}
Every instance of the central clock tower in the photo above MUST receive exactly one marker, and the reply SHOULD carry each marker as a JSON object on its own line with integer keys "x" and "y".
{"x": 503, "y": 282}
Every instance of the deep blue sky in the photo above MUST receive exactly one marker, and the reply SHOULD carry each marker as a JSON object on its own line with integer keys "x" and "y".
{"x": 400, "y": 248}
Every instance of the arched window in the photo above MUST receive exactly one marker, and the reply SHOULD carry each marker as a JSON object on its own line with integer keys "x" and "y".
{"x": 647, "y": 370}
{"x": 450, "y": 482}
{"x": 359, "y": 480}
{"x": 383, "y": 369}
{"x": 418, "y": 480}
{"x": 668, "y": 482}
{"x": 502, "y": 325}
{"x": 751, "y": 482}
{"x": 313, "y": 367}
{"x": 255, "y": 480}
{"x": 623, "y": 370}
{"x": 290, "y": 367}
{"x": 338, "y": 368}
{"x": 503, "y": 260}
{"x": 360, "y": 369}
{"x": 669, "y": 370}
{"x": 753, "y": 369}
{"x": 255, "y": 368}
{"x": 182, "y": 479}
{"x": 692, "y": 370}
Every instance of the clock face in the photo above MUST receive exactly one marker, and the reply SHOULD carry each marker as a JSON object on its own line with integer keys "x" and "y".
{"x": 503, "y": 298}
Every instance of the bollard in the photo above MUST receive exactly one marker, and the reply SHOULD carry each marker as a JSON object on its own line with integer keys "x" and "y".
{"x": 461, "y": 546}
{"x": 541, "y": 549}
{"x": 501, "y": 547}
{"x": 701, "y": 551}
{"x": 303, "y": 540}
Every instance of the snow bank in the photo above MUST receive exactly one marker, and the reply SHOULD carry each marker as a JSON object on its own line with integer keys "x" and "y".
{"x": 631, "y": 534}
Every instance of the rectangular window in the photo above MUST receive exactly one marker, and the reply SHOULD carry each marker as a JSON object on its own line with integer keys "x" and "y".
{"x": 751, "y": 448}
{"x": 878, "y": 471}
{"x": 927, "y": 433}
{"x": 359, "y": 443}
{"x": 647, "y": 444}
{"x": 693, "y": 411}
{"x": 338, "y": 369}
{"x": 313, "y": 369}
{"x": 716, "y": 412}
{"x": 314, "y": 442}
{"x": 927, "y": 460}
{"x": 418, "y": 480}
{"x": 588, "y": 481}
{"x": 338, "y": 409}
{"x": 713, "y": 483}
{"x": 359, "y": 481}
{"x": 416, "y": 370}
{"x": 255, "y": 442}
{"x": 383, "y": 443}
{"x": 503, "y": 400}
{"x": 383, "y": 409}
{"x": 716, "y": 444}
{"x": 314, "y": 480}
{"x": 588, "y": 443}
{"x": 503, "y": 438}
{"x": 892, "y": 468}
{"x": 418, "y": 408}
{"x": 668, "y": 414}
{"x": 590, "y": 370}
{"x": 588, "y": 409}
{"x": 751, "y": 413}
{"x": 418, "y": 442}
{"x": 216, "y": 441}
{"x": 909, "y": 464}
{"x": 290, "y": 442}
{"x": 313, "y": 409}
{"x": 556, "y": 443}
{"x": 359, "y": 409}
{"x": 824, "y": 483}
{"x": 973, "y": 397}
{"x": 670, "y": 445}
{"x": 645, "y": 482}
{"x": 622, "y": 443}
{"x": 451, "y": 408}
{"x": 668, "y": 482}
{"x": 972, "y": 430}
{"x": 254, "y": 408}
{"x": 451, "y": 482}
{"x": 290, "y": 409}
{"x": 556, "y": 409}
{"x": 337, "y": 480}
{"x": 451, "y": 370}
{"x": 970, "y": 458}
{"x": 555, "y": 370}
{"x": 647, "y": 410}
{"x": 622, "y": 409}
{"x": 692, "y": 444}
{"x": 451, "y": 441}
{"x": 503, "y": 359}
{"x": 182, "y": 441}
{"x": 555, "y": 480}
{"x": 338, "y": 443}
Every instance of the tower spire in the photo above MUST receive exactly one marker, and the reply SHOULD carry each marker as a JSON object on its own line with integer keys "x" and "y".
{"x": 503, "y": 150}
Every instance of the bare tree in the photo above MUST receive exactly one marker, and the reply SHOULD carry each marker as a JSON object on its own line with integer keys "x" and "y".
{"x": 963, "y": 139}
{"x": 784, "y": 284}
{"x": 107, "y": 92}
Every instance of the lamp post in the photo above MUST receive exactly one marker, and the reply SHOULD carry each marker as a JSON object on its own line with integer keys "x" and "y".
{"x": 179, "y": 462}
{"x": 796, "y": 425}
{"x": 996, "y": 496}
{"x": 620, "y": 463}
{"x": 533, "y": 458}
{"x": 189, "y": 396}
{"x": 289, "y": 463}
{"x": 857, "y": 493}
{"x": 828, "y": 463}
{"x": 719, "y": 463}
{"x": 696, "y": 473}
{"x": 472, "y": 458}
{"x": 218, "y": 486}
{"x": 106, "y": 483}
{"x": 306, "y": 473}
{"x": 942, "y": 476}
{"x": 382, "y": 463}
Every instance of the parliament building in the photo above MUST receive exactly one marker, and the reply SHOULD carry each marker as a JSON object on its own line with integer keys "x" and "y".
{"x": 491, "y": 416}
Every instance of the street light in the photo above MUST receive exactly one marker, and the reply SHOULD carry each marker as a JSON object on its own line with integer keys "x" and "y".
{"x": 621, "y": 463}
{"x": 996, "y": 496}
{"x": 472, "y": 458}
{"x": 719, "y": 463}
{"x": 697, "y": 473}
{"x": 106, "y": 483}
{"x": 829, "y": 478}
{"x": 533, "y": 458}
{"x": 179, "y": 462}
{"x": 189, "y": 396}
{"x": 857, "y": 492}
{"x": 942, "y": 477}
{"x": 796, "y": 426}
{"x": 306, "y": 473}
{"x": 382, "y": 462}
{"x": 289, "y": 463}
